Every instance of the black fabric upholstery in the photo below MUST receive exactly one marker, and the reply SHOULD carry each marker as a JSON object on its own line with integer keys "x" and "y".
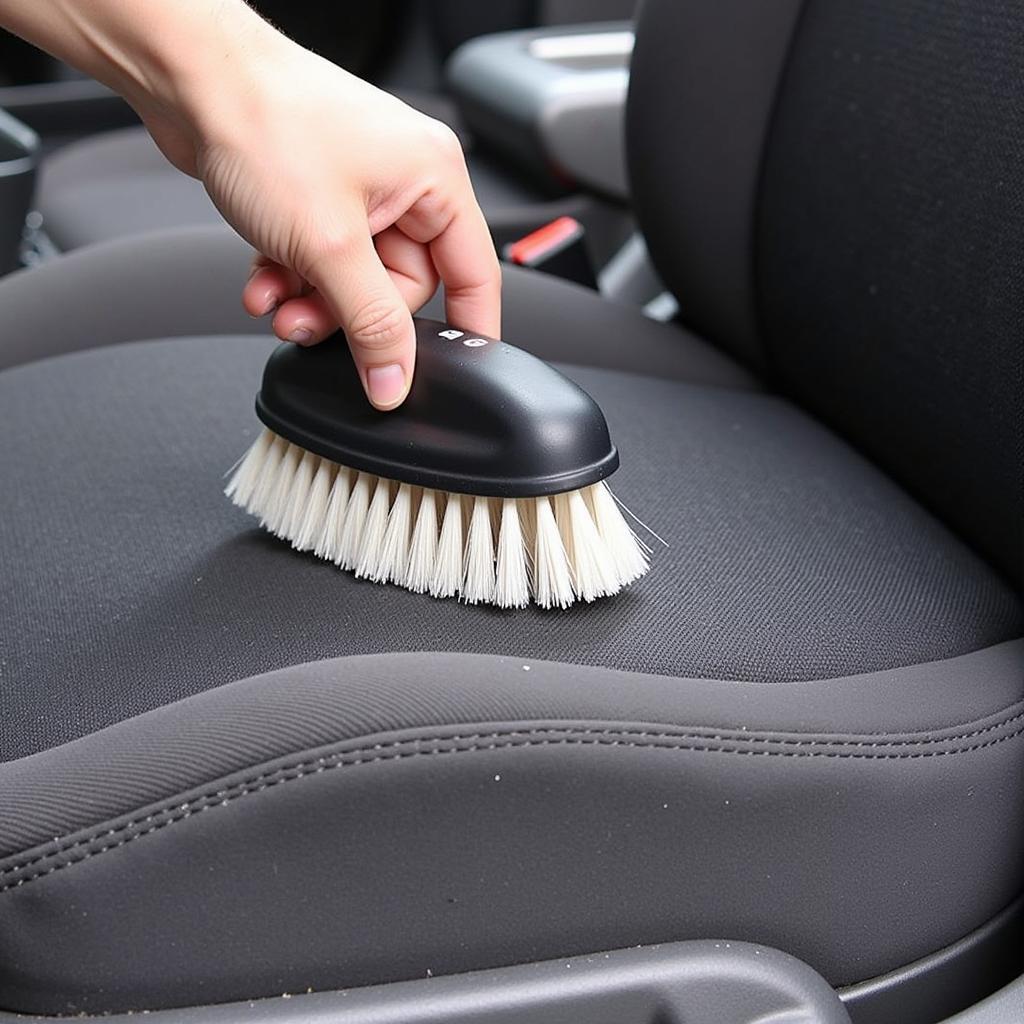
{"x": 188, "y": 282}
{"x": 574, "y": 12}
{"x": 890, "y": 263}
{"x": 789, "y": 557}
{"x": 467, "y": 839}
{"x": 701, "y": 90}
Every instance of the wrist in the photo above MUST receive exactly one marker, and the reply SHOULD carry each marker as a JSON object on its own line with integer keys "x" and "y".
{"x": 210, "y": 69}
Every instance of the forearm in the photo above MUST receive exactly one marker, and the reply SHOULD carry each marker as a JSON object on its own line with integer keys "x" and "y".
{"x": 168, "y": 58}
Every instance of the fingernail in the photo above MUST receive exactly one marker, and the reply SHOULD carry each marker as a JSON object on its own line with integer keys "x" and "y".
{"x": 300, "y": 335}
{"x": 386, "y": 384}
{"x": 269, "y": 308}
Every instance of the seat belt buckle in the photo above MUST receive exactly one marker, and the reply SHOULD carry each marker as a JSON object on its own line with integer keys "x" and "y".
{"x": 557, "y": 248}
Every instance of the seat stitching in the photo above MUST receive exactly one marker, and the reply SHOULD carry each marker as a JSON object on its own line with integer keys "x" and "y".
{"x": 502, "y": 740}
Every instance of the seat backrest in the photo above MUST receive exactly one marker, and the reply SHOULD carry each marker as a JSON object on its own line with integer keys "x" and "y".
{"x": 834, "y": 190}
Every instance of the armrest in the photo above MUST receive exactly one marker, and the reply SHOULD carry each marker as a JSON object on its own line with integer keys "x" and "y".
{"x": 552, "y": 100}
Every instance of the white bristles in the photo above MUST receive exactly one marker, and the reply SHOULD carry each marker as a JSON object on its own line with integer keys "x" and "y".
{"x": 592, "y": 562}
{"x": 627, "y": 554}
{"x": 563, "y": 517}
{"x": 368, "y": 562}
{"x": 394, "y": 551}
{"x": 267, "y": 477}
{"x": 423, "y": 548}
{"x": 312, "y": 520}
{"x": 478, "y": 583}
{"x": 448, "y": 569}
{"x": 552, "y": 579}
{"x": 355, "y": 519}
{"x": 243, "y": 481}
{"x": 298, "y": 497}
{"x": 512, "y": 582}
{"x": 502, "y": 551}
{"x": 279, "y": 503}
{"x": 328, "y": 543}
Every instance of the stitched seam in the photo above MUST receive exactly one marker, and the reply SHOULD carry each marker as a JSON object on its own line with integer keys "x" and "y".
{"x": 344, "y": 759}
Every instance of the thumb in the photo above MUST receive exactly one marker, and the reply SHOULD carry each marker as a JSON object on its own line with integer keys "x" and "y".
{"x": 373, "y": 315}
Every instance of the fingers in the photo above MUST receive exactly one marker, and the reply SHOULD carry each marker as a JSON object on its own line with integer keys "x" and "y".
{"x": 365, "y": 301}
{"x": 463, "y": 253}
{"x": 304, "y": 320}
{"x": 268, "y": 286}
{"x": 409, "y": 264}
{"x": 367, "y": 285}
{"x": 308, "y": 319}
{"x": 465, "y": 258}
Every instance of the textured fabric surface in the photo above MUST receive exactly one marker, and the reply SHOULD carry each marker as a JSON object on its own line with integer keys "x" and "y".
{"x": 118, "y": 292}
{"x": 890, "y": 263}
{"x": 130, "y": 581}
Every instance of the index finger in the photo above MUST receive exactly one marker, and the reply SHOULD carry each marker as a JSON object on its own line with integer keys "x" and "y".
{"x": 462, "y": 251}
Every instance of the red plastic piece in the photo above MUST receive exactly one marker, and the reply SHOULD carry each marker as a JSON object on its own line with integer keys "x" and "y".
{"x": 535, "y": 245}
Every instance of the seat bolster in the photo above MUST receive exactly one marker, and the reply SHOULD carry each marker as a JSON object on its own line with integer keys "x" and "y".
{"x": 166, "y": 284}
{"x": 189, "y": 280}
{"x": 372, "y": 818}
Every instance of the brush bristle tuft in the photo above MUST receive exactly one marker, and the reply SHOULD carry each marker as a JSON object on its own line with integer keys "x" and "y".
{"x": 423, "y": 547}
{"x": 503, "y": 551}
{"x": 447, "y": 578}
{"x": 512, "y": 579}
{"x": 478, "y": 581}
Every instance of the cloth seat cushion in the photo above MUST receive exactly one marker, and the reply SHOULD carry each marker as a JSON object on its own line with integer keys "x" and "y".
{"x": 804, "y": 606}
{"x": 788, "y": 556}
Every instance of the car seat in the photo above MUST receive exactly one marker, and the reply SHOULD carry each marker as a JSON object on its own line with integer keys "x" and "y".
{"x": 232, "y": 772}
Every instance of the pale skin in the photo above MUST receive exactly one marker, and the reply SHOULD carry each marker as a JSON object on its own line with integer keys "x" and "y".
{"x": 356, "y": 204}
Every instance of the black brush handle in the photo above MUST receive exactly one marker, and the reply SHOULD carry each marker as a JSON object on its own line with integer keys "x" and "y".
{"x": 483, "y": 417}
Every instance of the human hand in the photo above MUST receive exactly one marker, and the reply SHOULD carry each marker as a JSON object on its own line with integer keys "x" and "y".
{"x": 356, "y": 205}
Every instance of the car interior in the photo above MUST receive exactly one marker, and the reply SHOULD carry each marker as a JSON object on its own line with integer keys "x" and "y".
{"x": 780, "y": 778}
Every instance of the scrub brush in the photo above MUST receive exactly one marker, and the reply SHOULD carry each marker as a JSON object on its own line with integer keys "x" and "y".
{"x": 487, "y": 484}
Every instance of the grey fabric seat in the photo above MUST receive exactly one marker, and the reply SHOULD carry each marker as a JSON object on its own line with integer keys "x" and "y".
{"x": 188, "y": 281}
{"x": 132, "y": 584}
{"x": 754, "y": 500}
{"x": 232, "y": 771}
